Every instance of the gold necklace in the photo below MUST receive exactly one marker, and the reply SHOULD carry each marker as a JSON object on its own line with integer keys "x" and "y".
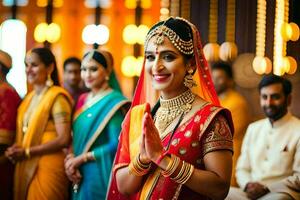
{"x": 170, "y": 109}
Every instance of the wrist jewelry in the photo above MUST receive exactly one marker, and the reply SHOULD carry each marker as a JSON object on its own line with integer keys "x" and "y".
{"x": 85, "y": 157}
{"x": 137, "y": 168}
{"x": 27, "y": 152}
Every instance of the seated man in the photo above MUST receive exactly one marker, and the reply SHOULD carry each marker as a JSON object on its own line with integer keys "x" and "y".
{"x": 269, "y": 164}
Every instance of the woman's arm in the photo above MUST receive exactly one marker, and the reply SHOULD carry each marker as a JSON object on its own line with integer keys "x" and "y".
{"x": 128, "y": 183}
{"x": 214, "y": 181}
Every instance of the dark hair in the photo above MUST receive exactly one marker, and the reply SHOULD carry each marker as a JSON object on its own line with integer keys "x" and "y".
{"x": 72, "y": 60}
{"x": 4, "y": 69}
{"x": 180, "y": 27}
{"x": 48, "y": 58}
{"x": 223, "y": 66}
{"x": 97, "y": 56}
{"x": 273, "y": 79}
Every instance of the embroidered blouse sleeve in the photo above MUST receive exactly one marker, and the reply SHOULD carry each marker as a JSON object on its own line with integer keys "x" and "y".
{"x": 217, "y": 136}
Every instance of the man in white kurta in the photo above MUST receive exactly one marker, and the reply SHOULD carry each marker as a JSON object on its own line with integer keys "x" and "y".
{"x": 269, "y": 164}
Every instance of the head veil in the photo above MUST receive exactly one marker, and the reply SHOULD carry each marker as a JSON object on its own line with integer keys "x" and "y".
{"x": 145, "y": 93}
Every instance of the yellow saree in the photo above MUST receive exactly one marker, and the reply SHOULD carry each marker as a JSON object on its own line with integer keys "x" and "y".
{"x": 41, "y": 177}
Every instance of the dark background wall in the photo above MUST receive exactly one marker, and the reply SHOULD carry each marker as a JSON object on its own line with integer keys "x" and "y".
{"x": 246, "y": 79}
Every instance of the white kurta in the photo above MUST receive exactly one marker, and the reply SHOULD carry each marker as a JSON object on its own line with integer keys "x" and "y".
{"x": 271, "y": 155}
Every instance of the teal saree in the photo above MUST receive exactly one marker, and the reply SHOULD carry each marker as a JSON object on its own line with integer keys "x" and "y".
{"x": 96, "y": 128}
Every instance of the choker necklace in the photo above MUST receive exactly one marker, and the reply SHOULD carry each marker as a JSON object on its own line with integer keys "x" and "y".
{"x": 170, "y": 109}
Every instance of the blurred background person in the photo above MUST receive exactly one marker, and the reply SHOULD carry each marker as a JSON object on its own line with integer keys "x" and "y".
{"x": 9, "y": 102}
{"x": 269, "y": 165}
{"x": 229, "y": 98}
{"x": 96, "y": 128}
{"x": 72, "y": 78}
{"x": 43, "y": 130}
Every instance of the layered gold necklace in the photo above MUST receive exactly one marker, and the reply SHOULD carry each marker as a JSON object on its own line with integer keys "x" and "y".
{"x": 170, "y": 109}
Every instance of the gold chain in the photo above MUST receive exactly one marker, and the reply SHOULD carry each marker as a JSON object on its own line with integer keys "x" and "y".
{"x": 170, "y": 109}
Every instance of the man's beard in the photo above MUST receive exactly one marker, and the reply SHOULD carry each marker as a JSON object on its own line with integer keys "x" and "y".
{"x": 275, "y": 112}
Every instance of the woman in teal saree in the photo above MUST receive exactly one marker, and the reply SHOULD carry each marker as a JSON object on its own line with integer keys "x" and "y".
{"x": 96, "y": 127}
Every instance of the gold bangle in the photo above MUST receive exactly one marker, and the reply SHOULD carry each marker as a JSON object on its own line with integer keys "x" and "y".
{"x": 137, "y": 168}
{"x": 27, "y": 152}
{"x": 188, "y": 175}
{"x": 172, "y": 166}
{"x": 182, "y": 169}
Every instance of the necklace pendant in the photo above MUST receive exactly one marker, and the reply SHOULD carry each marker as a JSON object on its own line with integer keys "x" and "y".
{"x": 24, "y": 129}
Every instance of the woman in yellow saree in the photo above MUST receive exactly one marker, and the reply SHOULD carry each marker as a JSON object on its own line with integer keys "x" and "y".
{"x": 43, "y": 130}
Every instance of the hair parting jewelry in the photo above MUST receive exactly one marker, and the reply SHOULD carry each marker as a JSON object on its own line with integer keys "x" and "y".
{"x": 185, "y": 47}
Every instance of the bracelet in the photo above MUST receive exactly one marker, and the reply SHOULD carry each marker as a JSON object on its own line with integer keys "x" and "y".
{"x": 144, "y": 165}
{"x": 184, "y": 174}
{"x": 137, "y": 168}
{"x": 161, "y": 157}
{"x": 27, "y": 152}
{"x": 91, "y": 155}
{"x": 85, "y": 157}
{"x": 172, "y": 166}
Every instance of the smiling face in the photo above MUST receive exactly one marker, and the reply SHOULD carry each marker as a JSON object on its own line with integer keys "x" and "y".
{"x": 166, "y": 67}
{"x": 36, "y": 70}
{"x": 93, "y": 74}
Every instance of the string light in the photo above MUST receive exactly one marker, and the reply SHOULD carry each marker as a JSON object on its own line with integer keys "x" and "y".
{"x": 211, "y": 49}
{"x": 229, "y": 50}
{"x": 47, "y": 32}
{"x": 261, "y": 64}
{"x": 95, "y": 34}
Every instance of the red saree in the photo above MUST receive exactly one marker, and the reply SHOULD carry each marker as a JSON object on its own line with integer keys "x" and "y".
{"x": 205, "y": 131}
{"x": 9, "y": 101}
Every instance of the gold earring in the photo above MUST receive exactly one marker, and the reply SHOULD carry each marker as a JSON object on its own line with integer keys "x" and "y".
{"x": 188, "y": 79}
{"x": 49, "y": 81}
{"x": 107, "y": 78}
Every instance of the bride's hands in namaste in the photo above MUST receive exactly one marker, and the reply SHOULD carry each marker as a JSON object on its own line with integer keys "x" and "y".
{"x": 151, "y": 139}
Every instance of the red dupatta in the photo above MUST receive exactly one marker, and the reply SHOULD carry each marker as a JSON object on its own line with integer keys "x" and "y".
{"x": 144, "y": 93}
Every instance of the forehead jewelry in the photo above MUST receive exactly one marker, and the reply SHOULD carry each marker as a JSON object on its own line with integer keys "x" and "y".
{"x": 160, "y": 35}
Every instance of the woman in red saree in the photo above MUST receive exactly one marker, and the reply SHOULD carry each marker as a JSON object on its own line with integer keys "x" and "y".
{"x": 182, "y": 149}
{"x": 9, "y": 102}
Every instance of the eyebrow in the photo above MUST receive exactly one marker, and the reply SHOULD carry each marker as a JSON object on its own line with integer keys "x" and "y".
{"x": 91, "y": 66}
{"x": 162, "y": 52}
